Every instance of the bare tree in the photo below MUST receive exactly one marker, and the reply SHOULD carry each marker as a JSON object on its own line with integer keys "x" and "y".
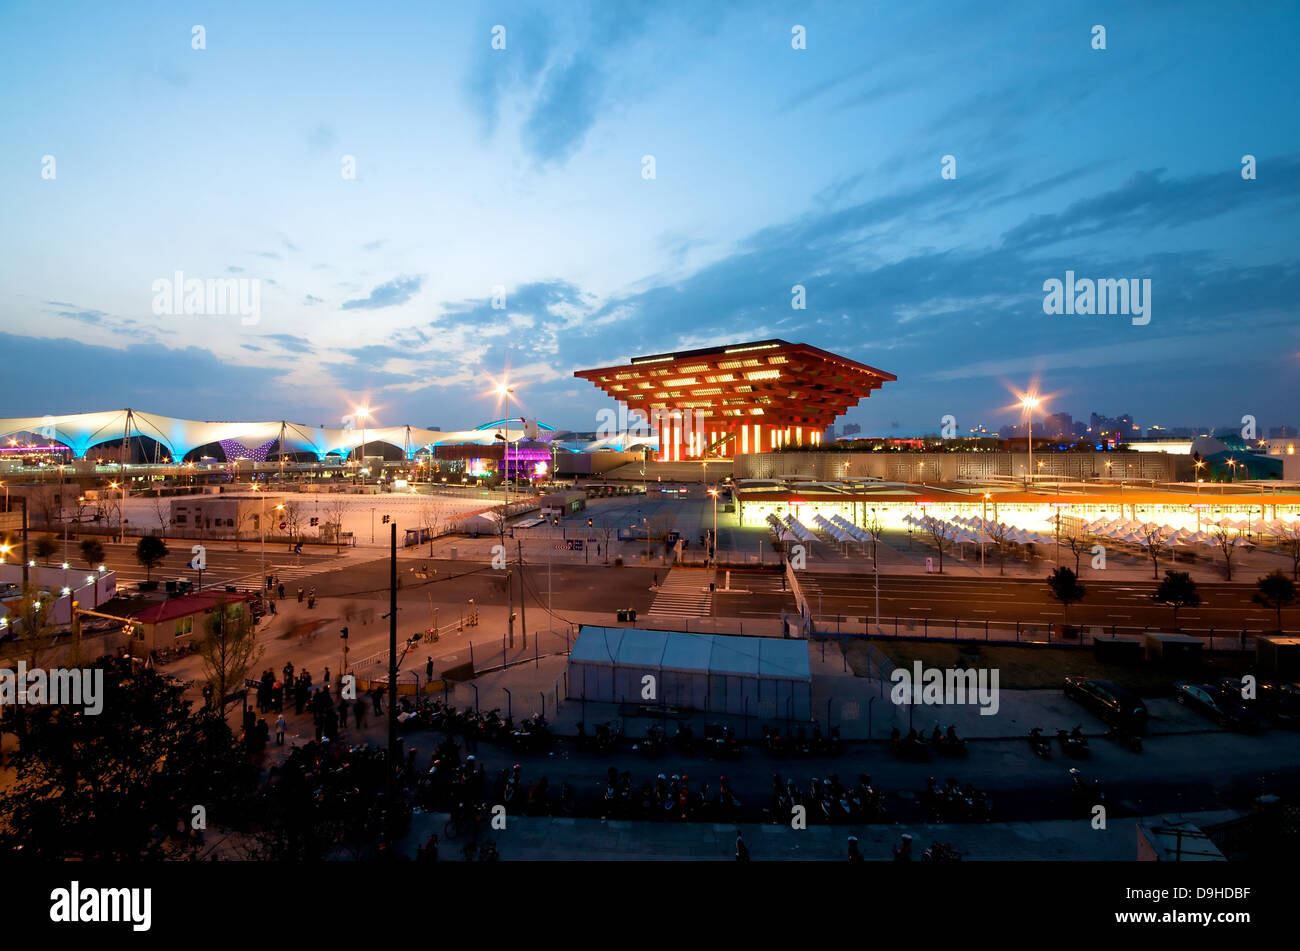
{"x": 291, "y": 513}
{"x": 1077, "y": 540}
{"x": 606, "y": 529}
{"x": 1156, "y": 546}
{"x": 229, "y": 650}
{"x": 1223, "y": 537}
{"x": 162, "y": 510}
{"x": 431, "y": 520}
{"x": 1000, "y": 533}
{"x": 242, "y": 516}
{"x": 335, "y": 510}
{"x": 872, "y": 524}
{"x": 1288, "y": 540}
{"x": 941, "y": 533}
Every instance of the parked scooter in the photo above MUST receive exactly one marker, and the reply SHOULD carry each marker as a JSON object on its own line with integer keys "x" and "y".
{"x": 1073, "y": 743}
{"x": 1129, "y": 740}
{"x": 1041, "y": 746}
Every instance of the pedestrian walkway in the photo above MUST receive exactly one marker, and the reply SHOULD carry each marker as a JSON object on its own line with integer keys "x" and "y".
{"x": 684, "y": 594}
{"x": 594, "y": 840}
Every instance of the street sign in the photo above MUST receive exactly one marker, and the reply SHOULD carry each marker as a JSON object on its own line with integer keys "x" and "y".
{"x": 283, "y": 526}
{"x": 573, "y": 544}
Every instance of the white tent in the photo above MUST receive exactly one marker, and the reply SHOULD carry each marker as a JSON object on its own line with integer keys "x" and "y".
{"x": 719, "y": 673}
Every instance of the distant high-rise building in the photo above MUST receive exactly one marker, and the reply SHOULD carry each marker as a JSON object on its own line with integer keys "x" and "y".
{"x": 1282, "y": 432}
{"x": 849, "y": 429}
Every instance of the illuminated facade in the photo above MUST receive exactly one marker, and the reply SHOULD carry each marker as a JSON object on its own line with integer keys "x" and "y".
{"x": 743, "y": 398}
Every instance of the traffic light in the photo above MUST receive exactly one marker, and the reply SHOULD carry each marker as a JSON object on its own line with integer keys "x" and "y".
{"x": 314, "y": 521}
{"x": 344, "y": 633}
{"x": 387, "y": 519}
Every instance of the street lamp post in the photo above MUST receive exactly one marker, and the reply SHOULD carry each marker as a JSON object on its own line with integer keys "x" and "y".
{"x": 1030, "y": 403}
{"x": 713, "y": 542}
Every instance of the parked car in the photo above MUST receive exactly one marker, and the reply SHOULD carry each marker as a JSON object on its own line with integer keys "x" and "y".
{"x": 1221, "y": 706}
{"x": 1109, "y": 701}
{"x": 1277, "y": 702}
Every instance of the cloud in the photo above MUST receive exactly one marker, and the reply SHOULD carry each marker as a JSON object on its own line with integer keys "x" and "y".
{"x": 397, "y": 291}
{"x": 290, "y": 342}
{"x": 374, "y": 245}
{"x": 565, "y": 110}
{"x": 311, "y": 299}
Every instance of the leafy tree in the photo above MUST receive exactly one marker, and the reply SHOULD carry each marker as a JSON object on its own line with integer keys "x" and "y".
{"x": 94, "y": 786}
{"x": 150, "y": 552}
{"x": 1177, "y": 590}
{"x": 1276, "y": 591}
{"x": 1063, "y": 585}
{"x": 45, "y": 547}
{"x": 229, "y": 650}
{"x": 92, "y": 552}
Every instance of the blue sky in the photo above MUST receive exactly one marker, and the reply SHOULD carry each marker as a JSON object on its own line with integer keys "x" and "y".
{"x": 522, "y": 168}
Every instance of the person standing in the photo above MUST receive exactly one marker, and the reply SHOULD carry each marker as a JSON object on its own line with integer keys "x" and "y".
{"x": 428, "y": 671}
{"x": 327, "y": 678}
{"x": 742, "y": 850}
{"x": 279, "y": 730}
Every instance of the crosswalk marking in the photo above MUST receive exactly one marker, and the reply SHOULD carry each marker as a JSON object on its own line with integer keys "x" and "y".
{"x": 684, "y": 594}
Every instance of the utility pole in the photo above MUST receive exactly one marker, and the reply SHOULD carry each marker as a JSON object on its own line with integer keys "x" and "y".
{"x": 391, "y": 757}
{"x": 523, "y": 600}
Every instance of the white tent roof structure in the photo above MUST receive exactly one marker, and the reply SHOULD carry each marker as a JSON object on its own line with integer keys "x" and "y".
{"x": 81, "y": 432}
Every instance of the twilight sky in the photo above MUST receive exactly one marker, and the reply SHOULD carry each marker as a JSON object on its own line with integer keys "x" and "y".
{"x": 522, "y": 169}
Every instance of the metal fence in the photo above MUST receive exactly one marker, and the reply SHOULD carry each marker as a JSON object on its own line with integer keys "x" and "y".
{"x": 1022, "y": 632}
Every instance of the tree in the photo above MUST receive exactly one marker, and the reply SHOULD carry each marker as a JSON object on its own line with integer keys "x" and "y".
{"x": 431, "y": 521}
{"x": 92, "y": 552}
{"x": 93, "y": 787}
{"x": 45, "y": 547}
{"x": 291, "y": 514}
{"x": 872, "y": 525}
{"x": 940, "y": 533}
{"x": 1276, "y": 591}
{"x": 1077, "y": 540}
{"x": 1153, "y": 540}
{"x": 1227, "y": 543}
{"x": 1177, "y": 590}
{"x": 1063, "y": 584}
{"x": 1288, "y": 540}
{"x": 606, "y": 529}
{"x": 162, "y": 510}
{"x": 335, "y": 510}
{"x": 228, "y": 650}
{"x": 150, "y": 552}
{"x": 242, "y": 516}
{"x": 1000, "y": 533}
{"x": 33, "y": 623}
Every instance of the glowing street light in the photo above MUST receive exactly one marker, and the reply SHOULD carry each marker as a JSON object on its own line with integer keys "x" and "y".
{"x": 1029, "y": 403}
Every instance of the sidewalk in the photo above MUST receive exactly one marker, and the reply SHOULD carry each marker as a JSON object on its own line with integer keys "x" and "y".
{"x": 593, "y": 840}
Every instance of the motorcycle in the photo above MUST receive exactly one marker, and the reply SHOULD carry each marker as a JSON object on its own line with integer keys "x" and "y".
{"x": 1085, "y": 794}
{"x": 941, "y": 852}
{"x": 1126, "y": 739}
{"x": 1073, "y": 743}
{"x": 911, "y": 747}
{"x": 1041, "y": 746}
